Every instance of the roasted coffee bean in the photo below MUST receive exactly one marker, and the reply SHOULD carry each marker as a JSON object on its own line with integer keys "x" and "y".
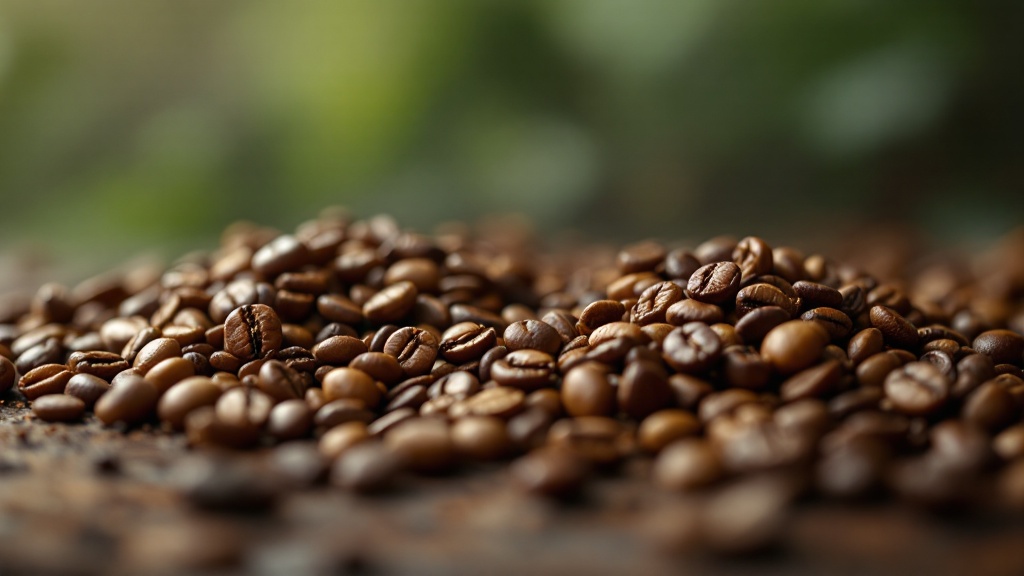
{"x": 289, "y": 420}
{"x": 815, "y": 295}
{"x": 680, "y": 264}
{"x": 550, "y": 471}
{"x": 753, "y": 256}
{"x": 422, "y": 444}
{"x": 532, "y": 334}
{"x": 415, "y": 350}
{"x": 942, "y": 361}
{"x": 244, "y": 407}
{"x": 814, "y": 382}
{"x": 640, "y": 257}
{"x": 854, "y": 468}
{"x": 106, "y": 365}
{"x": 184, "y": 397}
{"x": 466, "y": 341}
{"x": 351, "y": 383}
{"x": 132, "y": 400}
{"x": 366, "y": 467}
{"x": 865, "y": 344}
{"x": 524, "y": 369}
{"x": 252, "y": 332}
{"x": 587, "y": 392}
{"x": 687, "y": 464}
{"x": 46, "y": 379}
{"x": 725, "y": 402}
{"x": 744, "y": 368}
{"x": 761, "y": 295}
{"x": 239, "y": 293}
{"x": 458, "y": 384}
{"x": 664, "y": 427}
{"x": 340, "y": 411}
{"x": 481, "y": 437}
{"x": 755, "y": 325}
{"x": 49, "y": 351}
{"x": 58, "y": 408}
{"x": 692, "y": 348}
{"x": 412, "y": 397}
{"x": 87, "y": 388}
{"x": 391, "y": 304}
{"x": 565, "y": 323}
{"x": 137, "y": 343}
{"x": 793, "y": 346}
{"x": 714, "y": 283}
{"x": 500, "y": 401}
{"x": 597, "y": 439}
{"x": 338, "y": 350}
{"x": 990, "y": 407}
{"x": 339, "y": 439}
{"x": 338, "y": 308}
{"x": 169, "y": 372}
{"x": 686, "y": 311}
{"x": 281, "y": 382}
{"x": 871, "y": 373}
{"x": 1002, "y": 346}
{"x": 281, "y": 254}
{"x": 971, "y": 372}
{"x": 896, "y": 331}
{"x": 835, "y": 323}
{"x": 643, "y": 389}
{"x": 917, "y": 389}
{"x": 597, "y": 314}
{"x": 380, "y": 366}
{"x": 8, "y": 374}
{"x": 654, "y": 303}
{"x": 616, "y": 331}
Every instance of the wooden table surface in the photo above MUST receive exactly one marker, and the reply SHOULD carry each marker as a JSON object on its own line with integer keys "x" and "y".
{"x": 81, "y": 499}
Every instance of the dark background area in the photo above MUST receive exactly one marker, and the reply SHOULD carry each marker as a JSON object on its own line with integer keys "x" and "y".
{"x": 137, "y": 127}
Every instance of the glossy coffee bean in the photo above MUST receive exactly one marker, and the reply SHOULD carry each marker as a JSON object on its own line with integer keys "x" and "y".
{"x": 896, "y": 330}
{"x": 550, "y": 471}
{"x": 415, "y": 350}
{"x": 524, "y": 369}
{"x": 338, "y": 350}
{"x": 45, "y": 379}
{"x": 87, "y": 388}
{"x": 793, "y": 346}
{"x": 917, "y": 389}
{"x": 714, "y": 283}
{"x": 466, "y": 341}
{"x": 587, "y": 392}
{"x": 351, "y": 383}
{"x": 692, "y": 348}
{"x": 289, "y": 420}
{"x": 185, "y": 396}
{"x": 58, "y": 408}
{"x": 1002, "y": 346}
{"x": 252, "y": 332}
{"x": 687, "y": 464}
{"x": 132, "y": 400}
{"x": 532, "y": 334}
{"x": 664, "y": 427}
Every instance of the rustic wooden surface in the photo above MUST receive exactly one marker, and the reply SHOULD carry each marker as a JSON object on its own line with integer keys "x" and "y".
{"x": 81, "y": 499}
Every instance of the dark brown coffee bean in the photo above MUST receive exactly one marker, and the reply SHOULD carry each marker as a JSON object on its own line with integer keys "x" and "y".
{"x": 45, "y": 379}
{"x": 338, "y": 350}
{"x": 598, "y": 439}
{"x": 550, "y": 471}
{"x": 137, "y": 343}
{"x": 532, "y": 334}
{"x": 597, "y": 314}
{"x": 240, "y": 293}
{"x": 87, "y": 388}
{"x": 917, "y": 389}
{"x": 755, "y": 325}
{"x": 855, "y": 401}
{"x": 835, "y": 323}
{"x": 744, "y": 368}
{"x": 8, "y": 374}
{"x": 252, "y": 332}
{"x": 654, "y": 303}
{"x": 687, "y": 464}
{"x": 686, "y": 311}
{"x": 169, "y": 372}
{"x": 753, "y": 256}
{"x": 617, "y": 331}
{"x": 991, "y": 407}
{"x": 793, "y": 346}
{"x": 131, "y": 401}
{"x": 1002, "y": 346}
{"x": 340, "y": 411}
{"x": 466, "y": 341}
{"x": 281, "y": 254}
{"x": 289, "y": 420}
{"x": 366, "y": 467}
{"x": 812, "y": 382}
{"x": 225, "y": 362}
{"x": 458, "y": 384}
{"x": 716, "y": 404}
{"x": 942, "y": 361}
{"x": 412, "y": 397}
{"x": 415, "y": 350}
{"x": 760, "y": 295}
{"x": 501, "y": 402}
{"x": 391, "y": 304}
{"x": 244, "y": 407}
{"x": 340, "y": 438}
{"x": 640, "y": 257}
{"x": 815, "y": 295}
{"x": 380, "y": 366}
{"x": 422, "y": 444}
{"x": 871, "y": 373}
{"x": 587, "y": 392}
{"x": 280, "y": 382}
{"x": 481, "y": 437}
{"x": 106, "y": 365}
{"x": 338, "y": 308}
{"x": 664, "y": 427}
{"x": 692, "y": 348}
{"x": 643, "y": 389}
{"x": 714, "y": 283}
{"x": 680, "y": 264}
{"x": 971, "y": 372}
{"x": 58, "y": 408}
{"x": 524, "y": 369}
{"x": 865, "y": 344}
{"x": 351, "y": 383}
{"x": 565, "y": 323}
{"x": 185, "y": 396}
{"x": 49, "y": 351}
{"x": 896, "y": 331}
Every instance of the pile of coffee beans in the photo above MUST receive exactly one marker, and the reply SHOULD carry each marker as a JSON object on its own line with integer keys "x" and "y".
{"x": 400, "y": 353}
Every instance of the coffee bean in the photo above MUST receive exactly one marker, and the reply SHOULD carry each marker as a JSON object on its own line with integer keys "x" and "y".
{"x": 717, "y": 249}
{"x": 366, "y": 467}
{"x": 252, "y": 332}
{"x": 942, "y": 361}
{"x": 351, "y": 383}
{"x": 466, "y": 341}
{"x": 664, "y": 427}
{"x": 960, "y": 445}
{"x": 131, "y": 401}
{"x": 45, "y": 379}
{"x": 1009, "y": 444}
{"x": 48, "y": 351}
{"x": 896, "y": 331}
{"x": 744, "y": 368}
{"x": 532, "y": 334}
{"x": 338, "y": 350}
{"x": 339, "y": 439}
{"x": 422, "y": 444}
{"x": 680, "y": 264}
{"x": 106, "y": 365}
{"x": 87, "y": 388}
{"x": 853, "y": 469}
{"x": 864, "y": 344}
{"x": 813, "y": 382}
{"x": 971, "y": 372}
{"x": 415, "y": 350}
{"x": 760, "y": 295}
{"x": 281, "y": 254}
{"x": 289, "y": 420}
{"x": 654, "y": 303}
{"x": 524, "y": 369}
{"x": 793, "y": 346}
{"x": 391, "y": 304}
{"x": 587, "y": 392}
{"x": 185, "y": 396}
{"x": 640, "y": 257}
{"x": 280, "y": 382}
{"x": 692, "y": 348}
{"x": 458, "y": 384}
{"x": 917, "y": 389}
{"x": 244, "y": 407}
{"x": 835, "y": 323}
{"x": 550, "y": 471}
{"x": 686, "y": 311}
{"x": 643, "y": 389}
{"x": 8, "y": 374}
{"x": 753, "y": 256}
{"x": 687, "y": 464}
{"x": 991, "y": 407}
{"x": 755, "y": 325}
{"x": 169, "y": 372}
{"x": 597, "y": 439}
{"x": 340, "y": 411}
{"x": 154, "y": 352}
{"x": 714, "y": 283}
{"x": 595, "y": 315}
{"x": 501, "y": 402}
{"x": 481, "y": 437}
{"x": 338, "y": 308}
{"x": 1002, "y": 346}
{"x": 380, "y": 366}
{"x": 58, "y": 408}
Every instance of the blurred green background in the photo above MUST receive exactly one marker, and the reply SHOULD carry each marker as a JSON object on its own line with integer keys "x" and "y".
{"x": 133, "y": 125}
